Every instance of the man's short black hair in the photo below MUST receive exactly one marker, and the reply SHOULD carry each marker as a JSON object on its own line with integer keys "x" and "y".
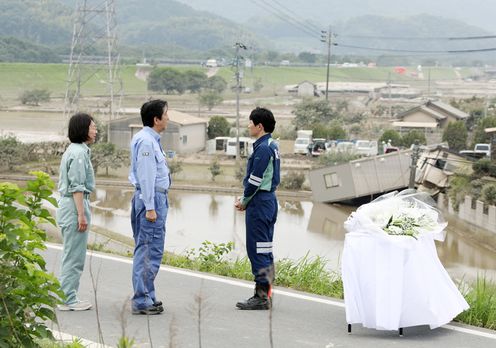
{"x": 79, "y": 126}
{"x": 265, "y": 117}
{"x": 151, "y": 109}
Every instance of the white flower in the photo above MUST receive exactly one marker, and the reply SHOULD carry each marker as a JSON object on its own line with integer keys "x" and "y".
{"x": 400, "y": 214}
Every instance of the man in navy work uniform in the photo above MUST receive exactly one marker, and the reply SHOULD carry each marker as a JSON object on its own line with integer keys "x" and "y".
{"x": 260, "y": 202}
{"x": 150, "y": 176}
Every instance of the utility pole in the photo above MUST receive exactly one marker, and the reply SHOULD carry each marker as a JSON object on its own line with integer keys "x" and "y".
{"x": 390, "y": 101}
{"x": 326, "y": 36}
{"x": 238, "y": 77}
{"x": 429, "y": 84}
{"x": 413, "y": 166}
{"x": 486, "y": 105}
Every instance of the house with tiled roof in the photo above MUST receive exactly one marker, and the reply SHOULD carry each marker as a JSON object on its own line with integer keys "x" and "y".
{"x": 185, "y": 133}
{"x": 431, "y": 118}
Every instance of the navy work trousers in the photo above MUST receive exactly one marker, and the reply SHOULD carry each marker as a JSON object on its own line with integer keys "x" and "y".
{"x": 261, "y": 215}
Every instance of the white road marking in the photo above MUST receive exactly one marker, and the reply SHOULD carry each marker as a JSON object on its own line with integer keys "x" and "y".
{"x": 67, "y": 339}
{"x": 188, "y": 273}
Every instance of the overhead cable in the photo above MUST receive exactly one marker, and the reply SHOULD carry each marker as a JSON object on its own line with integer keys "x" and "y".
{"x": 409, "y": 38}
{"x": 293, "y": 22}
{"x": 415, "y": 51}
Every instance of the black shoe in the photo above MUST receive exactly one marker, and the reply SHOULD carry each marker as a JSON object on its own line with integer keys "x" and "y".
{"x": 261, "y": 300}
{"x": 255, "y": 303}
{"x": 152, "y": 310}
{"x": 158, "y": 304}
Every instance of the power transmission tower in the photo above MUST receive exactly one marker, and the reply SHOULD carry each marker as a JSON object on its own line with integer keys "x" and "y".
{"x": 326, "y": 36}
{"x": 238, "y": 76}
{"x": 94, "y": 32}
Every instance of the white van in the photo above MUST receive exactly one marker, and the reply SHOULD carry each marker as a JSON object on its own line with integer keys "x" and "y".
{"x": 301, "y": 145}
{"x": 217, "y": 145}
{"x": 366, "y": 147}
{"x": 245, "y": 146}
{"x": 211, "y": 63}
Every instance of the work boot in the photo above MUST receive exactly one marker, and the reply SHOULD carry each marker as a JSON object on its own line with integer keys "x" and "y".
{"x": 261, "y": 300}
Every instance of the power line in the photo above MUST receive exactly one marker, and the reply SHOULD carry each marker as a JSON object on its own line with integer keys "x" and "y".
{"x": 409, "y": 38}
{"x": 288, "y": 16}
{"x": 416, "y": 51}
{"x": 268, "y": 7}
{"x": 296, "y": 15}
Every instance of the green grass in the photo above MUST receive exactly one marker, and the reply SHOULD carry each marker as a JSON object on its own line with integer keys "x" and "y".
{"x": 273, "y": 77}
{"x": 309, "y": 275}
{"x": 481, "y": 297}
{"x": 18, "y": 77}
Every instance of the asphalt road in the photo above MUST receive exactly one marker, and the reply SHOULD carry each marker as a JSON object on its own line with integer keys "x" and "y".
{"x": 200, "y": 312}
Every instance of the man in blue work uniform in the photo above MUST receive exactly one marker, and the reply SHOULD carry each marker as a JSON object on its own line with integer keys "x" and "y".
{"x": 150, "y": 176}
{"x": 260, "y": 202}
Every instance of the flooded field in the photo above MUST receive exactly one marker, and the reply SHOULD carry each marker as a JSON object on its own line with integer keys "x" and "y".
{"x": 302, "y": 228}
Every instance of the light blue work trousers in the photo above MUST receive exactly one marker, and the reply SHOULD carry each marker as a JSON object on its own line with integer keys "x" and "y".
{"x": 75, "y": 242}
{"x": 149, "y": 240}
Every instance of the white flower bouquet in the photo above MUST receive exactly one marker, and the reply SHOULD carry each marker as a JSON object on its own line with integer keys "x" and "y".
{"x": 389, "y": 257}
{"x": 407, "y": 213}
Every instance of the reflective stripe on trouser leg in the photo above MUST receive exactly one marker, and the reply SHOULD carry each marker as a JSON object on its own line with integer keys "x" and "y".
{"x": 149, "y": 248}
{"x": 261, "y": 215}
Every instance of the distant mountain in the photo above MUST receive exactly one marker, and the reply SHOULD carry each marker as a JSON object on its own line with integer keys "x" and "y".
{"x": 171, "y": 28}
{"x": 331, "y": 12}
{"x": 42, "y": 22}
{"x": 373, "y": 32}
{"x": 171, "y": 23}
{"x": 160, "y": 23}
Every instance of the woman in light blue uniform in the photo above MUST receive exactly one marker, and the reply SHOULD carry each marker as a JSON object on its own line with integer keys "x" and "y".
{"x": 76, "y": 182}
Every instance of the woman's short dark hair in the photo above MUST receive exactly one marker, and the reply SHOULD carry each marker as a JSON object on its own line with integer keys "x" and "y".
{"x": 151, "y": 109}
{"x": 265, "y": 117}
{"x": 79, "y": 125}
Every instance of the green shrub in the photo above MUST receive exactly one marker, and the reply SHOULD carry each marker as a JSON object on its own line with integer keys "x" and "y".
{"x": 409, "y": 138}
{"x": 34, "y": 97}
{"x": 287, "y": 132}
{"x": 240, "y": 171}
{"x": 214, "y": 169}
{"x": 11, "y": 151}
{"x": 28, "y": 294}
{"x": 218, "y": 126}
{"x": 484, "y": 167}
{"x": 210, "y": 99}
{"x": 333, "y": 158}
{"x": 459, "y": 188}
{"x": 175, "y": 166}
{"x": 293, "y": 180}
{"x": 107, "y": 155}
{"x": 488, "y": 193}
{"x": 475, "y": 188}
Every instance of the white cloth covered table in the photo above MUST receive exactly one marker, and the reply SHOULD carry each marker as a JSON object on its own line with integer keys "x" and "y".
{"x": 391, "y": 282}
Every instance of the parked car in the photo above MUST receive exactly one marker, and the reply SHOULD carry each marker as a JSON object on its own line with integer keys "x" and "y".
{"x": 303, "y": 139}
{"x": 390, "y": 149}
{"x": 366, "y": 147}
{"x": 317, "y": 147}
{"x": 479, "y": 151}
{"x": 211, "y": 63}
